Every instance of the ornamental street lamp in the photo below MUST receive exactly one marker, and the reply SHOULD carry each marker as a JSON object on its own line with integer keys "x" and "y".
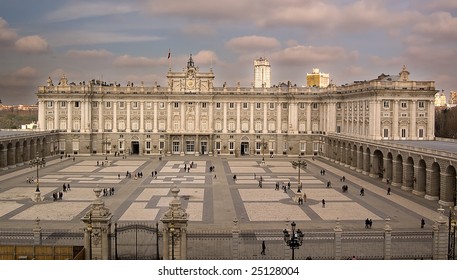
{"x": 38, "y": 162}
{"x": 451, "y": 235}
{"x": 299, "y": 164}
{"x": 89, "y": 230}
{"x": 264, "y": 147}
{"x": 294, "y": 240}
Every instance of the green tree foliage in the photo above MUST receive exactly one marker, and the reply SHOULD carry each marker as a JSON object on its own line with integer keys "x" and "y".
{"x": 446, "y": 123}
{"x": 14, "y": 121}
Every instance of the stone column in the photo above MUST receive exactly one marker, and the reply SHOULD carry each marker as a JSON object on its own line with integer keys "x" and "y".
{"x": 70, "y": 116}
{"x": 224, "y": 124}
{"x": 37, "y": 232}
{"x": 169, "y": 128}
{"x": 408, "y": 176}
{"x": 101, "y": 127}
{"x": 440, "y": 237}
{"x": 387, "y": 240}
{"x": 238, "y": 117}
{"x": 97, "y": 227}
{"x": 308, "y": 117}
{"x": 265, "y": 117}
{"x": 337, "y": 238}
{"x": 155, "y": 128}
{"x": 114, "y": 124}
{"x": 251, "y": 119}
{"x": 141, "y": 117}
{"x": 278, "y": 118}
{"x": 175, "y": 229}
{"x": 183, "y": 117}
{"x": 431, "y": 121}
{"x": 41, "y": 115}
{"x": 395, "y": 121}
{"x": 235, "y": 240}
{"x": 128, "y": 118}
{"x": 412, "y": 131}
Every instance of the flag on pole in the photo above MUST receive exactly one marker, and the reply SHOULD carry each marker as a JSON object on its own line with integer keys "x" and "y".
{"x": 169, "y": 53}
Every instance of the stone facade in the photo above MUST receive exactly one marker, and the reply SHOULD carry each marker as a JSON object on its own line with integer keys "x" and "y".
{"x": 192, "y": 116}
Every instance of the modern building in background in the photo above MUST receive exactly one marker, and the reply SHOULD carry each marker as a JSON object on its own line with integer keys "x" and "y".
{"x": 317, "y": 79}
{"x": 262, "y": 73}
{"x": 192, "y": 116}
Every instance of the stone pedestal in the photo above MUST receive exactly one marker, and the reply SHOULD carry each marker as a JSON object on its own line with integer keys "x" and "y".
{"x": 97, "y": 227}
{"x": 175, "y": 229}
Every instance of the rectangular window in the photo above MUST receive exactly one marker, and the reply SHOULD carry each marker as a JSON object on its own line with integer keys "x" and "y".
{"x": 315, "y": 106}
{"x": 50, "y": 104}
{"x": 148, "y": 105}
{"x": 404, "y": 104}
{"x": 386, "y": 104}
{"x": 386, "y": 133}
{"x": 421, "y": 104}
{"x": 272, "y": 105}
{"x": 258, "y": 105}
{"x": 301, "y": 105}
{"x": 63, "y": 104}
{"x": 176, "y": 105}
{"x": 161, "y": 145}
{"x": 285, "y": 106}
{"x": 94, "y": 104}
{"x": 403, "y": 133}
{"x": 421, "y": 133}
{"x": 231, "y": 145}
{"x": 108, "y": 105}
{"x": 121, "y": 104}
{"x": 135, "y": 105}
{"x": 245, "y": 105}
{"x": 161, "y": 105}
{"x": 218, "y": 145}
{"x": 218, "y": 105}
{"x": 76, "y": 104}
{"x": 204, "y": 105}
{"x": 231, "y": 105}
{"x": 148, "y": 145}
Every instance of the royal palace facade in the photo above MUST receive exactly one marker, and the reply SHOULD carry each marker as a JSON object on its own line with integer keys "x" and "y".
{"x": 192, "y": 116}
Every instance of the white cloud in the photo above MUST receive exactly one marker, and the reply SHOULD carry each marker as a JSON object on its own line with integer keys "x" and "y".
{"x": 250, "y": 43}
{"x": 32, "y": 44}
{"x": 138, "y": 61}
{"x": 206, "y": 57}
{"x": 26, "y": 72}
{"x": 83, "y": 9}
{"x": 100, "y": 53}
{"x": 6, "y": 33}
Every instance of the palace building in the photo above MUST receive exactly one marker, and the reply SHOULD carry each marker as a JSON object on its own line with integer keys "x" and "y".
{"x": 190, "y": 115}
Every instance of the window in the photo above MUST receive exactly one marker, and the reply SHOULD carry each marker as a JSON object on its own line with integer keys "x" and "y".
{"x": 218, "y": 125}
{"x": 135, "y": 104}
{"x": 50, "y": 104}
{"x": 386, "y": 104}
{"x": 272, "y": 105}
{"x": 421, "y": 133}
{"x": 148, "y": 105}
{"x": 231, "y": 105}
{"x": 148, "y": 125}
{"x": 175, "y": 104}
{"x": 403, "y": 133}
{"x": 258, "y": 105}
{"x": 404, "y": 104}
{"x": 204, "y": 105}
{"x": 231, "y": 145}
{"x": 421, "y": 104}
{"x": 108, "y": 104}
{"x": 245, "y": 105}
{"x": 161, "y": 105}
{"x": 302, "y": 146}
{"x": 218, "y": 105}
{"x": 285, "y": 105}
{"x": 258, "y": 125}
{"x": 148, "y": 145}
{"x": 386, "y": 133}
{"x": 338, "y": 105}
{"x": 63, "y": 104}
{"x": 94, "y": 104}
{"x": 161, "y": 145}
{"x": 218, "y": 145}
{"x": 301, "y": 105}
{"x": 231, "y": 125}
{"x": 76, "y": 104}
{"x": 121, "y": 105}
{"x": 121, "y": 125}
{"x": 315, "y": 106}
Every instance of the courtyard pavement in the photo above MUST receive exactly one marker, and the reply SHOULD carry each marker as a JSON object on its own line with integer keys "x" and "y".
{"x": 212, "y": 199}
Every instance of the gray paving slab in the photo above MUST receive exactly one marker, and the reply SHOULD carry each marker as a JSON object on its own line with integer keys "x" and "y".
{"x": 212, "y": 199}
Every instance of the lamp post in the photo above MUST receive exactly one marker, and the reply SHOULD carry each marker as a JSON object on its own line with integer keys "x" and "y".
{"x": 451, "y": 235}
{"x": 264, "y": 146}
{"x": 294, "y": 240}
{"x": 38, "y": 162}
{"x": 299, "y": 164}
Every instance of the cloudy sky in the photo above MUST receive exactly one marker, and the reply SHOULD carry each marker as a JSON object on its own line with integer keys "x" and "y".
{"x": 125, "y": 41}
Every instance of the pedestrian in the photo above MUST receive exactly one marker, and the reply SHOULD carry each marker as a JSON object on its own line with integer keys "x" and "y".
{"x": 388, "y": 191}
{"x": 323, "y": 203}
{"x": 422, "y": 223}
{"x": 263, "y": 248}
{"x": 362, "y": 192}
{"x": 367, "y": 223}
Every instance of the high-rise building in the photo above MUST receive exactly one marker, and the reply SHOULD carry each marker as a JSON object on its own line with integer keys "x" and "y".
{"x": 317, "y": 79}
{"x": 262, "y": 74}
{"x": 191, "y": 115}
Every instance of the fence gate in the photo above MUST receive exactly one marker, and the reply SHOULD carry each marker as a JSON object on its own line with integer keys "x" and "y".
{"x": 136, "y": 241}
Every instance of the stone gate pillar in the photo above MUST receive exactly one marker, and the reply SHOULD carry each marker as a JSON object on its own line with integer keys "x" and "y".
{"x": 387, "y": 240}
{"x": 97, "y": 223}
{"x": 440, "y": 236}
{"x": 175, "y": 229}
{"x": 338, "y": 246}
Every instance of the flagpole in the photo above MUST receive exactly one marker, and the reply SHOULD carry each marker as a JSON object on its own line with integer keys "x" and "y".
{"x": 169, "y": 59}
